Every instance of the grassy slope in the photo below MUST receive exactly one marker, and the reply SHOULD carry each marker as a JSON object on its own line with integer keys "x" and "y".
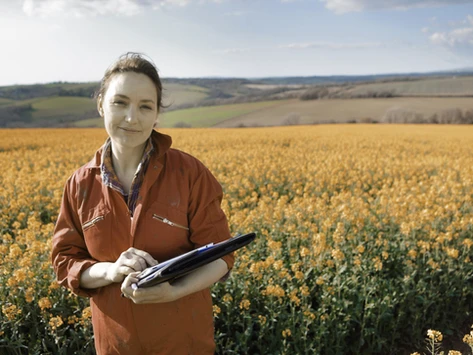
{"x": 343, "y": 110}
{"x": 178, "y": 94}
{"x": 61, "y": 106}
{"x": 90, "y": 122}
{"x": 211, "y": 115}
{"x": 5, "y": 101}
{"x": 440, "y": 86}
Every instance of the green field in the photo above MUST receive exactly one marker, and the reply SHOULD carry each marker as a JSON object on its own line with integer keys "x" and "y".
{"x": 5, "y": 101}
{"x": 62, "y": 106}
{"x": 90, "y": 122}
{"x": 212, "y": 115}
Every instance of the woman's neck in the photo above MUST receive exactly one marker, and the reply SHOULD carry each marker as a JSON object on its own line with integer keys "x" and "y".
{"x": 125, "y": 162}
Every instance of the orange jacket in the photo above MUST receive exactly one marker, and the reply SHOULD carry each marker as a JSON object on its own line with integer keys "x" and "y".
{"x": 94, "y": 225}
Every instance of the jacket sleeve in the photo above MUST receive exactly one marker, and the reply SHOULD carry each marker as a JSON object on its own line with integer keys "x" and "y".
{"x": 208, "y": 223}
{"x": 69, "y": 253}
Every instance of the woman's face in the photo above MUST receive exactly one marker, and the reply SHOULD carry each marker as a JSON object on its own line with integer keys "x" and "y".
{"x": 129, "y": 109}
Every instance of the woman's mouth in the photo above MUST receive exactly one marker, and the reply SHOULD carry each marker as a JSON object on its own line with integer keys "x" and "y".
{"x": 131, "y": 130}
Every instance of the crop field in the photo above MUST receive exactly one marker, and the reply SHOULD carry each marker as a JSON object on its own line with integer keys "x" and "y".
{"x": 5, "y": 101}
{"x": 209, "y": 116}
{"x": 364, "y": 238}
{"x": 178, "y": 94}
{"x": 452, "y": 86}
{"x": 61, "y": 106}
{"x": 344, "y": 110}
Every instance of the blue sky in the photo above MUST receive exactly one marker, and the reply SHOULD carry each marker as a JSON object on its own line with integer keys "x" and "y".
{"x": 76, "y": 40}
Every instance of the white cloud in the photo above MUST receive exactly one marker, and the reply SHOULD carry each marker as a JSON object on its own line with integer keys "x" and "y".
{"x": 79, "y": 8}
{"x": 462, "y": 36}
{"x": 439, "y": 38}
{"x": 331, "y": 45}
{"x": 344, "y": 6}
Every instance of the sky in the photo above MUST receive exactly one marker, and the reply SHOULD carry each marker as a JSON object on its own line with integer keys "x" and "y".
{"x": 44, "y": 41}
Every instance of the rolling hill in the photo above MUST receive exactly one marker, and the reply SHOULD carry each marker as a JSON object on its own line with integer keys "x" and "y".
{"x": 232, "y": 102}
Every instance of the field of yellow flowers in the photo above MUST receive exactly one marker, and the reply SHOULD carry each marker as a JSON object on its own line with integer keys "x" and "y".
{"x": 364, "y": 237}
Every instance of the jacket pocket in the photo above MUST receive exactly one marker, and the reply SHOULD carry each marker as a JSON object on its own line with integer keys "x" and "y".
{"x": 165, "y": 231}
{"x": 92, "y": 222}
{"x": 97, "y": 230}
{"x": 168, "y": 222}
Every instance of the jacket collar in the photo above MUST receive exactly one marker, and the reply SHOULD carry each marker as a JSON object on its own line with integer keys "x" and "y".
{"x": 162, "y": 143}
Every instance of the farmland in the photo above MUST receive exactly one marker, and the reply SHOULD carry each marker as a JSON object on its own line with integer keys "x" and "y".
{"x": 452, "y": 86}
{"x": 240, "y": 102}
{"x": 345, "y": 110}
{"x": 364, "y": 237}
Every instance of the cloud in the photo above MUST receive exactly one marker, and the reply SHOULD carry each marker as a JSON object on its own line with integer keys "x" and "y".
{"x": 330, "y": 45}
{"x": 458, "y": 37}
{"x": 344, "y": 6}
{"x": 462, "y": 36}
{"x": 81, "y": 8}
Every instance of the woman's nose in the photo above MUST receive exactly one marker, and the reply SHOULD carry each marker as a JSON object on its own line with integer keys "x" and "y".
{"x": 132, "y": 114}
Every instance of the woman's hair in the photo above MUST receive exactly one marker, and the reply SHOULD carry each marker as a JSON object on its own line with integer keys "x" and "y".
{"x": 132, "y": 62}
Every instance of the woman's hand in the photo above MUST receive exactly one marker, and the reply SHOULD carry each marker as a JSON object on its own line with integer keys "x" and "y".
{"x": 131, "y": 260}
{"x": 199, "y": 279}
{"x": 161, "y": 293}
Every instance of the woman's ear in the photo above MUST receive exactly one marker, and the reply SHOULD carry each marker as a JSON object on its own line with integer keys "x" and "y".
{"x": 99, "y": 105}
{"x": 156, "y": 123}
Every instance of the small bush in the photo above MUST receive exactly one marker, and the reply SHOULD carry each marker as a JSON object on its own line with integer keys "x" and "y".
{"x": 182, "y": 124}
{"x": 291, "y": 120}
{"x": 402, "y": 115}
{"x": 315, "y": 94}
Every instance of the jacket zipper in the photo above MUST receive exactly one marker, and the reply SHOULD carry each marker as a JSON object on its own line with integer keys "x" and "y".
{"x": 92, "y": 222}
{"x": 168, "y": 222}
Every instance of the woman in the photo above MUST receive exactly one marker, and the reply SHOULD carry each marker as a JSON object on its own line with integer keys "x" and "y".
{"x": 136, "y": 203}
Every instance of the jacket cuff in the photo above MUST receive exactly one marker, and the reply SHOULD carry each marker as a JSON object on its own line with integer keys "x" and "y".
{"x": 73, "y": 278}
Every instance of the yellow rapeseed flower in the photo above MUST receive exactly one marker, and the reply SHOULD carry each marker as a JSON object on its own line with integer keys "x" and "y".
{"x": 216, "y": 310}
{"x": 434, "y": 335}
{"x": 245, "y": 304}
{"x": 227, "y": 298}
{"x": 286, "y": 333}
{"x": 44, "y": 303}
{"x": 86, "y": 313}
{"x": 55, "y": 322}
{"x": 11, "y": 312}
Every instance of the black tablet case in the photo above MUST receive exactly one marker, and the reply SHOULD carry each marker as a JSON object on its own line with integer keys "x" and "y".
{"x": 185, "y": 263}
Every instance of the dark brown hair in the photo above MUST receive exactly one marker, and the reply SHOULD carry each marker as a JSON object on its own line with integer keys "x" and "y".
{"x": 132, "y": 62}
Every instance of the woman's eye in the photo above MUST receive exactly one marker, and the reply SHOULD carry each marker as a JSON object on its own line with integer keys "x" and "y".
{"x": 118, "y": 102}
{"x": 146, "y": 107}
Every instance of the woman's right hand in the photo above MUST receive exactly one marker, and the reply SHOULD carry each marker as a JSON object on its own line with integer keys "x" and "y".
{"x": 131, "y": 260}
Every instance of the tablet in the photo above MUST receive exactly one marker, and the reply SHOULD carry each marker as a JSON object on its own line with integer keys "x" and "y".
{"x": 183, "y": 264}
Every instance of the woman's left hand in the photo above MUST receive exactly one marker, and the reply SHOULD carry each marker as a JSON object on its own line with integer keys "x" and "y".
{"x": 161, "y": 293}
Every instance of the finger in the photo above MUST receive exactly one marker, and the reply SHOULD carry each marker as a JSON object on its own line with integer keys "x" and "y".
{"x": 125, "y": 270}
{"x": 136, "y": 263}
{"x": 126, "y": 286}
{"x": 146, "y": 256}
